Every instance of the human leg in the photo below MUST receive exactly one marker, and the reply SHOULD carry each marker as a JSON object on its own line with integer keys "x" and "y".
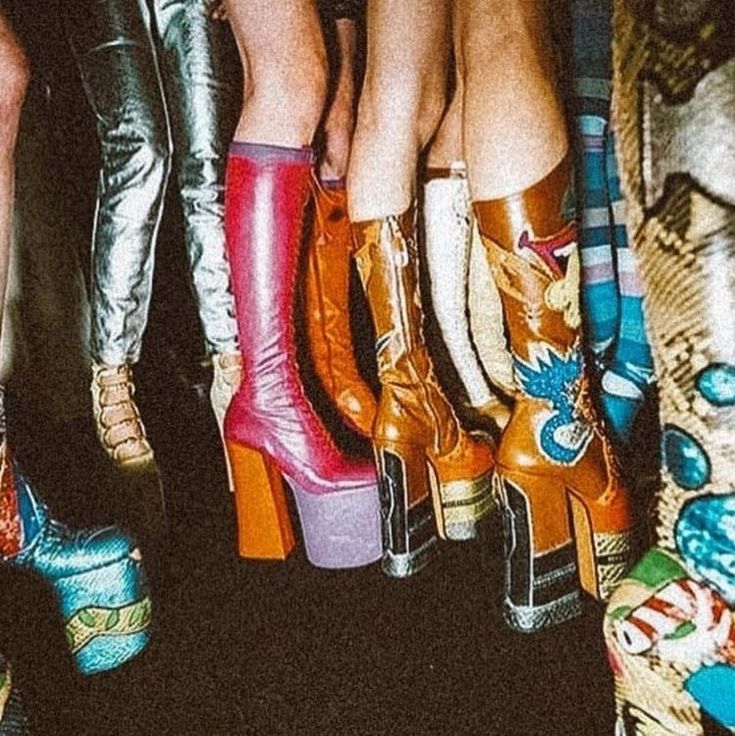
{"x": 464, "y": 297}
{"x": 271, "y": 428}
{"x": 115, "y": 53}
{"x": 421, "y": 450}
{"x": 565, "y": 504}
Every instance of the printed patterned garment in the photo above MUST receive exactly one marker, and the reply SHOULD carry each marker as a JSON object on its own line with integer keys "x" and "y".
{"x": 611, "y": 291}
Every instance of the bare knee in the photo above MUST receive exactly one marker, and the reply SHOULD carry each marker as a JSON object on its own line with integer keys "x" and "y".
{"x": 401, "y": 106}
{"x": 293, "y": 87}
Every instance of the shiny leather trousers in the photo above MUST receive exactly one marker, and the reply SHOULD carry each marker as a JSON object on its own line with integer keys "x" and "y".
{"x": 155, "y": 80}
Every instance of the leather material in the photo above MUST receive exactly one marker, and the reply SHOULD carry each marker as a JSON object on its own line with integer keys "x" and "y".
{"x": 327, "y": 293}
{"x": 554, "y": 448}
{"x": 267, "y": 191}
{"x": 413, "y": 413}
{"x": 149, "y": 96}
{"x": 449, "y": 228}
{"x": 97, "y": 575}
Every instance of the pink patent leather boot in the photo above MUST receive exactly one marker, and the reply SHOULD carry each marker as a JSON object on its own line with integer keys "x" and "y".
{"x": 271, "y": 430}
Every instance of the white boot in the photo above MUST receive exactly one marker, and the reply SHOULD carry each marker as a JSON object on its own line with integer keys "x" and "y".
{"x": 450, "y": 227}
{"x": 226, "y": 381}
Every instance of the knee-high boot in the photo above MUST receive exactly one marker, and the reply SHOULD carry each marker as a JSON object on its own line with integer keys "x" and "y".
{"x": 670, "y": 626}
{"x": 567, "y": 516}
{"x": 270, "y": 427}
{"x": 330, "y": 252}
{"x": 460, "y": 279}
{"x": 421, "y": 450}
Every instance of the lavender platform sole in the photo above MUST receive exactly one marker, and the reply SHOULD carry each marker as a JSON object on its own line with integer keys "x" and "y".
{"x": 340, "y": 529}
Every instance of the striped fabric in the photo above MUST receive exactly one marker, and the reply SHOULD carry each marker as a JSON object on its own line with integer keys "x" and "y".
{"x": 611, "y": 291}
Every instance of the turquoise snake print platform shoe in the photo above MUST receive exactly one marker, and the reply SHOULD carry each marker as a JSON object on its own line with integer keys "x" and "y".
{"x": 96, "y": 574}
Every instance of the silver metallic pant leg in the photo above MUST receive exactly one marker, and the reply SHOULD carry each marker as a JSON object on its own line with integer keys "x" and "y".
{"x": 114, "y": 49}
{"x": 200, "y": 105}
{"x": 125, "y": 79}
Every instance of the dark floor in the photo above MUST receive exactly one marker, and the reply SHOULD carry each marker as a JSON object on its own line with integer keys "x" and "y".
{"x": 263, "y": 648}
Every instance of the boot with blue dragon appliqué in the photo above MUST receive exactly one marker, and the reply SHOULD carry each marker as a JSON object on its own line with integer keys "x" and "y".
{"x": 565, "y": 506}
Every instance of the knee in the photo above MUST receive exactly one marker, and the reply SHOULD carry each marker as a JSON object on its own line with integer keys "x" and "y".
{"x": 141, "y": 162}
{"x": 402, "y": 105}
{"x": 296, "y": 87}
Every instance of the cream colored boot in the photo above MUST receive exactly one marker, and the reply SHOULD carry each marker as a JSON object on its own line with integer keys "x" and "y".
{"x": 461, "y": 283}
{"x": 119, "y": 427}
{"x": 226, "y": 381}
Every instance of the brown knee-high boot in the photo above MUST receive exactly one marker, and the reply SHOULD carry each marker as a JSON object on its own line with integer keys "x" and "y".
{"x": 327, "y": 292}
{"x": 567, "y": 517}
{"x": 420, "y": 448}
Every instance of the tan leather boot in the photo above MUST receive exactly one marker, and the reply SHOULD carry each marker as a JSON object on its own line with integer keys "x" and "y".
{"x": 567, "y": 516}
{"x": 420, "y": 448}
{"x": 328, "y": 310}
{"x": 119, "y": 427}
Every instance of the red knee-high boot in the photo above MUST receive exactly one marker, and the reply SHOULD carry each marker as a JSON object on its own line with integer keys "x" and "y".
{"x": 271, "y": 429}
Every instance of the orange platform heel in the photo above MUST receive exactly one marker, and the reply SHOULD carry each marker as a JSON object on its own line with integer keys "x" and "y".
{"x": 263, "y": 522}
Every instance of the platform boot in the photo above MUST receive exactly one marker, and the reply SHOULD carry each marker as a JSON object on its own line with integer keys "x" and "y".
{"x": 423, "y": 454}
{"x": 271, "y": 430}
{"x": 566, "y": 508}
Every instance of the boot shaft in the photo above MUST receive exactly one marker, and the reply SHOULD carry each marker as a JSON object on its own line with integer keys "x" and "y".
{"x": 532, "y": 250}
{"x": 267, "y": 192}
{"x": 411, "y": 404}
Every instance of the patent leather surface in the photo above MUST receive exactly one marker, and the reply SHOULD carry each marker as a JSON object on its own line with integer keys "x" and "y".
{"x": 412, "y": 408}
{"x": 147, "y": 103}
{"x": 554, "y": 428}
{"x": 327, "y": 295}
{"x": 267, "y": 192}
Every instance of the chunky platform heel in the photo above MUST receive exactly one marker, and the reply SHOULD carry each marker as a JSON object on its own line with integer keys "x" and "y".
{"x": 414, "y": 418}
{"x": 542, "y": 577}
{"x": 409, "y": 532}
{"x": 263, "y": 522}
{"x": 558, "y": 543}
{"x": 270, "y": 427}
{"x": 97, "y": 576}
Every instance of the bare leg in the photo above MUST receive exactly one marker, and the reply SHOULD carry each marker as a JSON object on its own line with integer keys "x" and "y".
{"x": 14, "y": 75}
{"x": 340, "y": 121}
{"x": 514, "y": 126}
{"x": 401, "y": 103}
{"x": 285, "y": 70}
{"x": 446, "y": 148}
